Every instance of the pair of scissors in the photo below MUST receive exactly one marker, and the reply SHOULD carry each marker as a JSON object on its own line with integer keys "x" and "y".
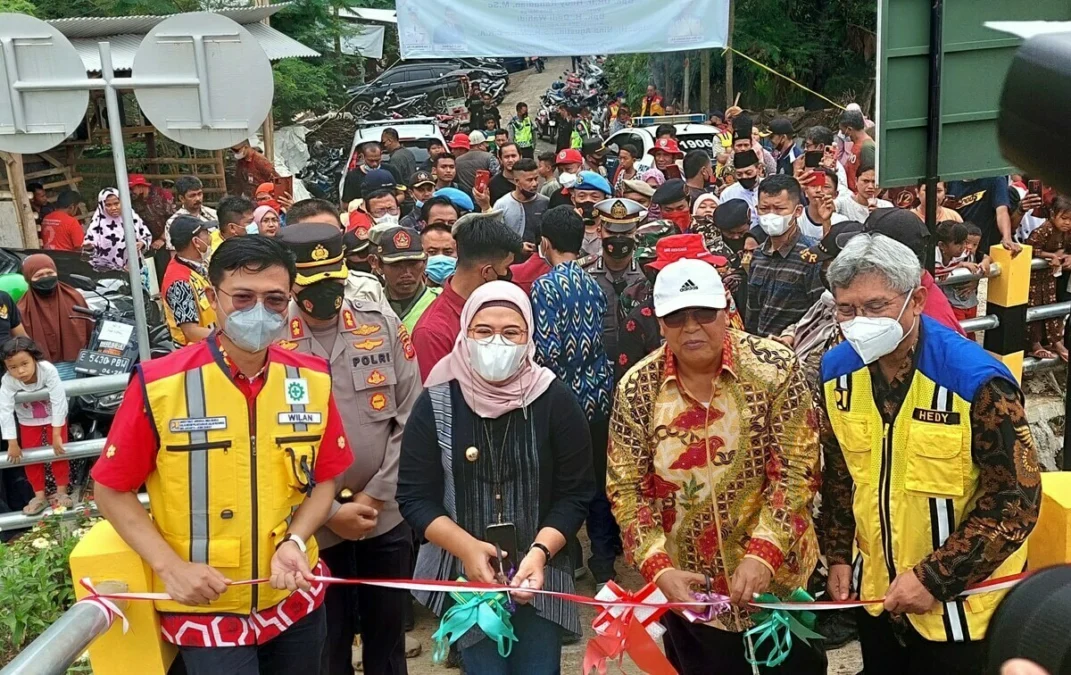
{"x": 501, "y": 576}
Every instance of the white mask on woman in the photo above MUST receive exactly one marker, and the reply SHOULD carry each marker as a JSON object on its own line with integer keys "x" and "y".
{"x": 496, "y": 359}
{"x": 873, "y": 337}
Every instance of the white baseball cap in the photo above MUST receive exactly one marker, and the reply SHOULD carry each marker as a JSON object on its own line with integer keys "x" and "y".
{"x": 688, "y": 283}
{"x": 477, "y": 137}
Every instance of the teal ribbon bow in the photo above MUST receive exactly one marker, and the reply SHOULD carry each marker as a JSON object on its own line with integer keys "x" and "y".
{"x": 485, "y": 609}
{"x": 776, "y": 627}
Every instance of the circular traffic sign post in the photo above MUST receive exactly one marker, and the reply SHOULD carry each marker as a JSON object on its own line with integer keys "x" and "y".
{"x": 42, "y": 94}
{"x": 233, "y": 94}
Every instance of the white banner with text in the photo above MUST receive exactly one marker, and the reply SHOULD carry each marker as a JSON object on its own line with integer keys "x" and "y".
{"x": 467, "y": 28}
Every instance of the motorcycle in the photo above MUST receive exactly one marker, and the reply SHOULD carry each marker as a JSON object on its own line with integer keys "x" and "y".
{"x": 538, "y": 63}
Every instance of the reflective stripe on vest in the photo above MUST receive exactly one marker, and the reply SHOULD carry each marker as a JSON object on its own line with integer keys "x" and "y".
{"x": 195, "y": 409}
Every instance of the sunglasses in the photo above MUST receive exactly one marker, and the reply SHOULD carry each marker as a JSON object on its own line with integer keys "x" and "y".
{"x": 702, "y": 316}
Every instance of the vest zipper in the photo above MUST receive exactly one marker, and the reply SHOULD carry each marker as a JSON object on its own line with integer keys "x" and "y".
{"x": 253, "y": 485}
{"x": 884, "y": 507}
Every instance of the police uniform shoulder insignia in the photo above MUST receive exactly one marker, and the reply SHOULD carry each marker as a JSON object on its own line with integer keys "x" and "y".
{"x": 407, "y": 342}
{"x": 348, "y": 321}
{"x": 288, "y": 345}
{"x": 366, "y": 329}
{"x": 297, "y": 328}
{"x": 587, "y": 261}
{"x": 368, "y": 345}
{"x": 375, "y": 378}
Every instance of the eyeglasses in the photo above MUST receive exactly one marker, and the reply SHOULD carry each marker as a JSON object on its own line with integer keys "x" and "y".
{"x": 379, "y": 213}
{"x": 872, "y": 308}
{"x": 243, "y": 300}
{"x": 702, "y": 316}
{"x": 511, "y": 333}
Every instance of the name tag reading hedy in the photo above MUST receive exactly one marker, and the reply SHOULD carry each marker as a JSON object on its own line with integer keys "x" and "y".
{"x": 191, "y": 424}
{"x": 936, "y": 416}
{"x": 299, "y": 418}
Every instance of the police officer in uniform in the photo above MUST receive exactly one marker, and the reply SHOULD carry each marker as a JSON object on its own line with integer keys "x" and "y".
{"x": 361, "y": 283}
{"x": 375, "y": 381}
{"x": 616, "y": 269}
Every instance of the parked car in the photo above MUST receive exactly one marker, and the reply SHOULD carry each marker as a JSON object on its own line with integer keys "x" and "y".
{"x": 690, "y": 136}
{"x": 415, "y": 133}
{"x": 438, "y": 79}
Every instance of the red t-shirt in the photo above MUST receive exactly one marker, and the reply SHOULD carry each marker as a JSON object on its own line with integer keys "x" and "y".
{"x": 437, "y": 328}
{"x": 61, "y": 231}
{"x": 937, "y": 306}
{"x": 525, "y": 273}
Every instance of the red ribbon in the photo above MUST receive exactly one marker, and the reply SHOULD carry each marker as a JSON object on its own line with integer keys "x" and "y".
{"x": 626, "y": 633}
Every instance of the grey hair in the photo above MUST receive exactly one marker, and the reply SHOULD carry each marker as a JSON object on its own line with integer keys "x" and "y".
{"x": 876, "y": 254}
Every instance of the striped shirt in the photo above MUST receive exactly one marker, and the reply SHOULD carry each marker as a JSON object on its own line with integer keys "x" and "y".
{"x": 782, "y": 286}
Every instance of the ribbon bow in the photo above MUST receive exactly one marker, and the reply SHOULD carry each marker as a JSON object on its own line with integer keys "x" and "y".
{"x": 486, "y": 609}
{"x": 110, "y": 609}
{"x": 620, "y": 631}
{"x": 777, "y": 626}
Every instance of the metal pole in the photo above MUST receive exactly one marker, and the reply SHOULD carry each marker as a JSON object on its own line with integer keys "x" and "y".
{"x": 1065, "y": 462}
{"x": 75, "y": 450}
{"x": 17, "y": 520}
{"x": 115, "y": 131}
{"x": 83, "y": 386}
{"x": 53, "y": 652}
{"x": 933, "y": 126}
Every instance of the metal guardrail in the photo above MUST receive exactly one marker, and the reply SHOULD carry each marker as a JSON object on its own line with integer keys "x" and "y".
{"x": 75, "y": 450}
{"x": 56, "y": 649}
{"x": 17, "y": 520}
{"x": 105, "y": 384}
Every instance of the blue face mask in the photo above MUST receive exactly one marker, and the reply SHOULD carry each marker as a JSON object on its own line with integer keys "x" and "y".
{"x": 252, "y": 228}
{"x": 255, "y": 328}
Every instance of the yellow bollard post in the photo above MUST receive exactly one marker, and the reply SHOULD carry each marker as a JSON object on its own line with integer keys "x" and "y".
{"x": 103, "y": 555}
{"x": 1050, "y": 542}
{"x": 1007, "y": 298}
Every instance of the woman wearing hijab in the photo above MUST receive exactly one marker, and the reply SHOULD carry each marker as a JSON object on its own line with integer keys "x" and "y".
{"x": 655, "y": 179}
{"x": 267, "y": 220}
{"x": 498, "y": 449}
{"x": 47, "y": 310}
{"x": 105, "y": 239}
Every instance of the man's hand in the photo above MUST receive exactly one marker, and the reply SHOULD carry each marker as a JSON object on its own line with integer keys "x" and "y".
{"x": 290, "y": 568}
{"x": 482, "y": 199}
{"x": 57, "y": 443}
{"x": 286, "y": 200}
{"x": 477, "y": 562}
{"x": 826, "y": 207}
{"x": 751, "y": 578}
{"x": 1029, "y": 202}
{"x": 839, "y": 584}
{"x": 353, "y": 521}
{"x": 157, "y": 244}
{"x": 1011, "y": 245}
{"x": 368, "y": 500}
{"x": 528, "y": 247}
{"x": 529, "y": 575}
{"x": 193, "y": 583}
{"x": 907, "y": 595}
{"x": 786, "y": 340}
{"x": 14, "y": 452}
{"x": 678, "y": 586}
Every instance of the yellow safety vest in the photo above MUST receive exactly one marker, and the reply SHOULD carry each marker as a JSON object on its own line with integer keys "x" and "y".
{"x": 206, "y": 316}
{"x": 914, "y": 480}
{"x": 227, "y": 480}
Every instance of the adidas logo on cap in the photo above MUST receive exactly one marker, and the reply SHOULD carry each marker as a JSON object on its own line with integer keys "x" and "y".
{"x": 689, "y": 286}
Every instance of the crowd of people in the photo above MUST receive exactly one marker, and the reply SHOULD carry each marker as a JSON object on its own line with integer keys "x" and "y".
{"x": 449, "y": 375}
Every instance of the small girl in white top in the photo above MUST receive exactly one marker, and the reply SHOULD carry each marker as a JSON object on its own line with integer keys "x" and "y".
{"x": 26, "y": 370}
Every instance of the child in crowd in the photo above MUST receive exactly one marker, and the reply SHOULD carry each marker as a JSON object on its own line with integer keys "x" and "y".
{"x": 1051, "y": 242}
{"x": 957, "y": 247}
{"x": 25, "y": 369}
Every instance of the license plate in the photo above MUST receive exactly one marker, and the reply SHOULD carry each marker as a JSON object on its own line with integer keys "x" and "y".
{"x": 96, "y": 363}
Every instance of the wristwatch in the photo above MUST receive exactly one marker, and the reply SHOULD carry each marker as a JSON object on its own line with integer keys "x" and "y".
{"x": 294, "y": 538}
{"x": 544, "y": 549}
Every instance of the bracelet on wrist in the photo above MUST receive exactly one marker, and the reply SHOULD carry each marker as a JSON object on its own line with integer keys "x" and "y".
{"x": 544, "y": 549}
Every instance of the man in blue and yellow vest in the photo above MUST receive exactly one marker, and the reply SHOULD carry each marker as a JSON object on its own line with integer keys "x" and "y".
{"x": 931, "y": 477}
{"x": 185, "y": 284}
{"x": 239, "y": 444}
{"x": 375, "y": 381}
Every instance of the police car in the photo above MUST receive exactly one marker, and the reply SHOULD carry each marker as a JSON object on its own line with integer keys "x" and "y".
{"x": 692, "y": 134}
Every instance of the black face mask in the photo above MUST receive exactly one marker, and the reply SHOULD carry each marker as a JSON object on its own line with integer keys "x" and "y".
{"x": 748, "y": 183}
{"x": 362, "y": 266}
{"x": 322, "y": 300}
{"x": 619, "y": 247}
{"x": 587, "y": 212}
{"x": 45, "y": 285}
{"x": 508, "y": 276}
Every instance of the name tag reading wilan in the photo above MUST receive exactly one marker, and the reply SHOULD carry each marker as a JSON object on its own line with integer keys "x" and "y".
{"x": 188, "y": 424}
{"x": 936, "y": 416}
{"x": 299, "y": 418}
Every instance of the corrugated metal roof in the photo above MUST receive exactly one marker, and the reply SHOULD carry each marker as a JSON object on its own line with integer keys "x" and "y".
{"x": 380, "y": 15}
{"x": 124, "y": 46}
{"x": 100, "y": 26}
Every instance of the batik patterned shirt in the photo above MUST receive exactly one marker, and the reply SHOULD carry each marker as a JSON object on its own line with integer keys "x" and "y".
{"x": 569, "y": 306}
{"x": 699, "y": 487}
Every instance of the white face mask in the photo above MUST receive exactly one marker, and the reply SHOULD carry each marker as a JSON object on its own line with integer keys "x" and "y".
{"x": 496, "y": 359}
{"x": 873, "y": 337}
{"x": 239, "y": 154}
{"x": 252, "y": 228}
{"x": 775, "y": 224}
{"x": 567, "y": 180}
{"x": 387, "y": 220}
